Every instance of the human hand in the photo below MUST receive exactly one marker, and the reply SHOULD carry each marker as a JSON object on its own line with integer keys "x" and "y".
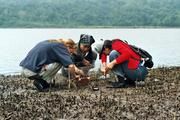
{"x": 71, "y": 69}
{"x": 80, "y": 72}
{"x": 102, "y": 68}
{"x": 86, "y": 62}
{"x": 110, "y": 65}
{"x": 103, "y": 71}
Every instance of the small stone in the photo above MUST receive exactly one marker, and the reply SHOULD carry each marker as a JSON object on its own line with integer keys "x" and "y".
{"x": 156, "y": 80}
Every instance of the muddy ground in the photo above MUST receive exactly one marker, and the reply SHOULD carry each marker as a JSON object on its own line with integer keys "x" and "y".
{"x": 159, "y": 99}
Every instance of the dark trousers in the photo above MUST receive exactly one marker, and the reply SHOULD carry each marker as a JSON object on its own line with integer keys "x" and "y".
{"x": 123, "y": 70}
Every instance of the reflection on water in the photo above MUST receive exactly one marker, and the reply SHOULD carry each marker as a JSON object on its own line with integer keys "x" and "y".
{"x": 161, "y": 43}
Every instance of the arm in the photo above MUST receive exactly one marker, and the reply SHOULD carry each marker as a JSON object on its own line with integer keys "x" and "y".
{"x": 124, "y": 55}
{"x": 90, "y": 58}
{"x": 123, "y": 50}
{"x": 74, "y": 71}
{"x": 110, "y": 65}
{"x": 61, "y": 55}
{"x": 103, "y": 63}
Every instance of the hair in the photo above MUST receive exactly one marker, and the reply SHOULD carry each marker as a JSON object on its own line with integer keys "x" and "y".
{"x": 107, "y": 44}
{"x": 66, "y": 42}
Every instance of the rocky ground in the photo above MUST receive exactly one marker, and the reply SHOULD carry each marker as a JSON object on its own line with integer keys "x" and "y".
{"x": 159, "y": 99}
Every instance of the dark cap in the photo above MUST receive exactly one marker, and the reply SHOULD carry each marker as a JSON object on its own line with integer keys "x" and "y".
{"x": 107, "y": 44}
{"x": 86, "y": 39}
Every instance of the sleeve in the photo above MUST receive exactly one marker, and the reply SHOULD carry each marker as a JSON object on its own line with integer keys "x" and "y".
{"x": 103, "y": 58}
{"x": 94, "y": 57}
{"x": 77, "y": 59}
{"x": 62, "y": 55}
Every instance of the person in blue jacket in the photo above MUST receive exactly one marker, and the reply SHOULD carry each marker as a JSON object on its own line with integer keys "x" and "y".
{"x": 44, "y": 60}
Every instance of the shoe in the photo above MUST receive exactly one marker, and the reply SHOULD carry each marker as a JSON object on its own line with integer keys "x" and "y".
{"x": 120, "y": 84}
{"x": 130, "y": 83}
{"x": 140, "y": 83}
{"x": 38, "y": 85}
{"x": 41, "y": 85}
{"x": 120, "y": 78}
{"x": 52, "y": 83}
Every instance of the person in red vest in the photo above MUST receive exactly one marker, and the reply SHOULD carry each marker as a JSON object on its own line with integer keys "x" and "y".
{"x": 123, "y": 61}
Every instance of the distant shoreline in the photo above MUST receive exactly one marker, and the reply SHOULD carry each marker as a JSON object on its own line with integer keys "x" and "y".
{"x": 96, "y": 27}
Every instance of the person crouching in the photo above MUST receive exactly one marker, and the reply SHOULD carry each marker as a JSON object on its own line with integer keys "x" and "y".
{"x": 44, "y": 60}
{"x": 124, "y": 63}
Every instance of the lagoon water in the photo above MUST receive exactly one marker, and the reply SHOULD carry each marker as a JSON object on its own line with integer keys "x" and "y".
{"x": 163, "y": 44}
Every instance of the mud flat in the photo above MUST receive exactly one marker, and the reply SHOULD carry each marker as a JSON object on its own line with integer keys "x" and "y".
{"x": 159, "y": 99}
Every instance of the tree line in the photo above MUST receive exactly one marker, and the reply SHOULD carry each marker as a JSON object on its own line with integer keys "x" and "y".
{"x": 89, "y": 13}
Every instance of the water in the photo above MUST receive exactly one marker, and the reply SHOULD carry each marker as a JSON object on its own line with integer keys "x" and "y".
{"x": 163, "y": 44}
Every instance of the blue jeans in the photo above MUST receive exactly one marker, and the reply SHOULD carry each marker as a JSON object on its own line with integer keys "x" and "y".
{"x": 123, "y": 70}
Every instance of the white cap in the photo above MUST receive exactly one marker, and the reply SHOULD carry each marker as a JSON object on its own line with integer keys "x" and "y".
{"x": 98, "y": 47}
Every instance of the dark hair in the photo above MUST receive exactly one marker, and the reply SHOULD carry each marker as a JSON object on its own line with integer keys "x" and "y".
{"x": 107, "y": 44}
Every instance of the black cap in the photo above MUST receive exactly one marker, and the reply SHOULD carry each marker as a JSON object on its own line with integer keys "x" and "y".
{"x": 86, "y": 39}
{"x": 107, "y": 44}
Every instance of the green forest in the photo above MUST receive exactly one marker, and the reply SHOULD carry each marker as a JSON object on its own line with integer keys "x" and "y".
{"x": 89, "y": 13}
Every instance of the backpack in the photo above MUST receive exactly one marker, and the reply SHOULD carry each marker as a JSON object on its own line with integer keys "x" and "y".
{"x": 143, "y": 54}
